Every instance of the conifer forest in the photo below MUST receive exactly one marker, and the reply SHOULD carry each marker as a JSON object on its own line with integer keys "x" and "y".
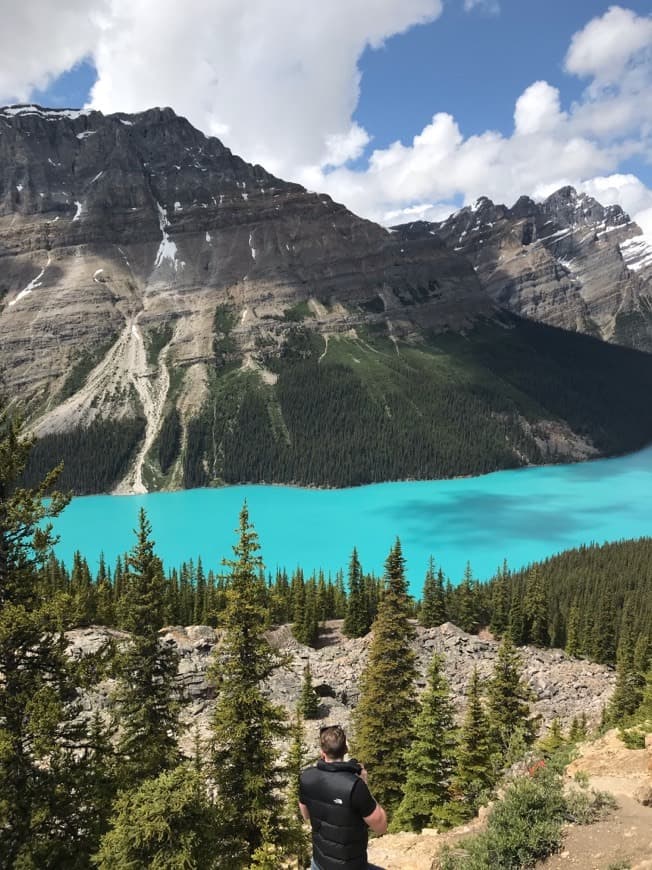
{"x": 81, "y": 789}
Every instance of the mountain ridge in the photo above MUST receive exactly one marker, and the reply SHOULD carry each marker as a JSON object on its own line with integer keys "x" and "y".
{"x": 567, "y": 261}
{"x": 174, "y": 316}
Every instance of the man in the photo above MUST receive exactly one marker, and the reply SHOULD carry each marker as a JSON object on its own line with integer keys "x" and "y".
{"x": 335, "y": 799}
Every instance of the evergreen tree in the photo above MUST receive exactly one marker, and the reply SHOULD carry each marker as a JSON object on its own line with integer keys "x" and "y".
{"x": 308, "y": 700}
{"x": 554, "y": 739}
{"x": 145, "y": 701}
{"x": 508, "y": 696}
{"x": 474, "y": 775}
{"x": 430, "y": 760}
{"x": 573, "y": 631}
{"x": 516, "y": 629}
{"x": 310, "y": 629}
{"x": 246, "y": 725}
{"x": 433, "y": 605}
{"x": 536, "y": 604}
{"x": 295, "y": 764}
{"x": 38, "y": 732}
{"x": 500, "y": 602}
{"x": 628, "y": 692}
{"x": 384, "y": 715}
{"x": 468, "y": 614}
{"x": 356, "y": 621}
{"x": 167, "y": 823}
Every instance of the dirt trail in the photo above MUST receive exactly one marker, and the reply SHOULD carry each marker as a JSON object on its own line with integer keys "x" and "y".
{"x": 626, "y": 835}
{"x": 623, "y": 839}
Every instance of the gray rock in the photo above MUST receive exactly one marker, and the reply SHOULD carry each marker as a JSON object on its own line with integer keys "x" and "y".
{"x": 567, "y": 261}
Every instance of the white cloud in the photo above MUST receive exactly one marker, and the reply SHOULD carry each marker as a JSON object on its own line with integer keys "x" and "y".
{"x": 583, "y": 145}
{"x": 489, "y": 7}
{"x": 279, "y": 83}
{"x": 282, "y": 78}
{"x": 608, "y": 44}
{"x": 537, "y": 109}
{"x": 39, "y": 40}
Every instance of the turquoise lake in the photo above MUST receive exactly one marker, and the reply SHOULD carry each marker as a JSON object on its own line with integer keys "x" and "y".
{"x": 520, "y": 515}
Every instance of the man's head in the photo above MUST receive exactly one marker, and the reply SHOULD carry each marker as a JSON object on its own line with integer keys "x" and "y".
{"x": 332, "y": 741}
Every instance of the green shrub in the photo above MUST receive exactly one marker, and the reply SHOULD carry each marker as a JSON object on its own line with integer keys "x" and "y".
{"x": 523, "y": 828}
{"x": 632, "y": 738}
{"x": 585, "y": 806}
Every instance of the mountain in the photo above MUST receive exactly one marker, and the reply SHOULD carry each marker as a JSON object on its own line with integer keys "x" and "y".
{"x": 174, "y": 316}
{"x": 567, "y": 261}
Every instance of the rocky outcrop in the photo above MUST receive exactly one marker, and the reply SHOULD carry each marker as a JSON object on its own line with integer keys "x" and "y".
{"x": 562, "y": 687}
{"x": 567, "y": 261}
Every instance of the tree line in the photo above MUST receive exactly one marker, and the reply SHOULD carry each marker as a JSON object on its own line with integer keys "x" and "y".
{"x": 587, "y": 601}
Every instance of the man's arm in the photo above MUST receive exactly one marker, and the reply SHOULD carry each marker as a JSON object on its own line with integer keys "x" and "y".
{"x": 371, "y": 811}
{"x": 377, "y": 821}
{"x": 303, "y": 809}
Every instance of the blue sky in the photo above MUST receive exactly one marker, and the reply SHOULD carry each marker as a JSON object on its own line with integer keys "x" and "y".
{"x": 321, "y": 95}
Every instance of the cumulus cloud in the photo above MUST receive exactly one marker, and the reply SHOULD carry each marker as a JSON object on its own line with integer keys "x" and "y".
{"x": 608, "y": 44}
{"x": 279, "y": 83}
{"x": 40, "y": 40}
{"x": 582, "y": 145}
{"x": 537, "y": 109}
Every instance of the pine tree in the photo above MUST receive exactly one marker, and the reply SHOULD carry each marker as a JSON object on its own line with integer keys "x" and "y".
{"x": 145, "y": 702}
{"x": 166, "y": 822}
{"x": 39, "y": 767}
{"x": 516, "y": 629}
{"x": 536, "y": 604}
{"x": 310, "y": 629}
{"x": 508, "y": 696}
{"x": 474, "y": 775}
{"x": 433, "y": 605}
{"x": 384, "y": 715}
{"x": 295, "y": 763}
{"x": 246, "y": 724}
{"x": 628, "y": 692}
{"x": 500, "y": 602}
{"x": 356, "y": 621}
{"x": 573, "y": 631}
{"x": 308, "y": 700}
{"x": 467, "y": 607}
{"x": 430, "y": 760}
{"x": 554, "y": 739}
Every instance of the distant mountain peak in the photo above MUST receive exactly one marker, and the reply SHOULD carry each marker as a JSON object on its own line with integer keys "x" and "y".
{"x": 568, "y": 261}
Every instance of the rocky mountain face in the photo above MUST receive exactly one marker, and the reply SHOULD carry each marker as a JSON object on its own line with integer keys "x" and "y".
{"x": 567, "y": 261}
{"x": 111, "y": 226}
{"x": 171, "y": 315}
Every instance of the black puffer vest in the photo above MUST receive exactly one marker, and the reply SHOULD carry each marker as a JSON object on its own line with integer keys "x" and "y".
{"x": 339, "y": 834}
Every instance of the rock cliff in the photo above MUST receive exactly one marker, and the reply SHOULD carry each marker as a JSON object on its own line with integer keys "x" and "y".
{"x": 112, "y": 226}
{"x": 567, "y": 261}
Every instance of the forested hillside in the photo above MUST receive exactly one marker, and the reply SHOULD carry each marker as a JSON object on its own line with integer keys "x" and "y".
{"x": 367, "y": 409}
